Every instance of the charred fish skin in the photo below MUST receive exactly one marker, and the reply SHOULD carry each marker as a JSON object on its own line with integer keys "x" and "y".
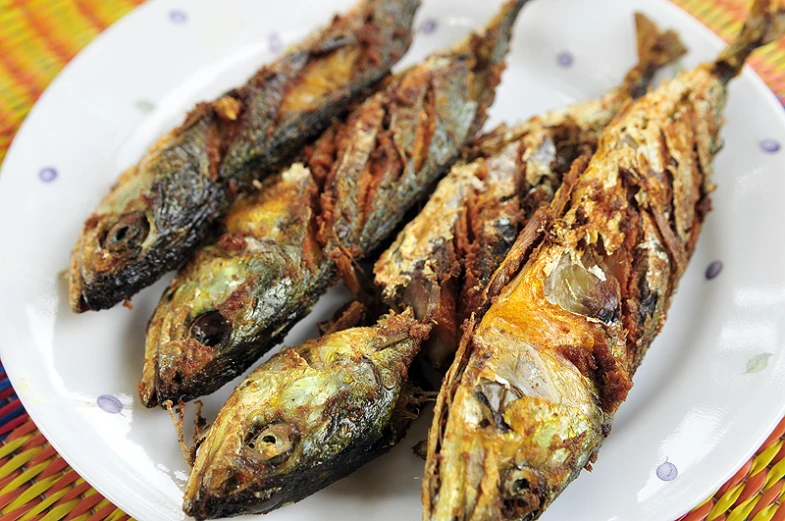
{"x": 162, "y": 208}
{"x": 537, "y": 381}
{"x": 306, "y": 418}
{"x": 238, "y": 296}
{"x": 355, "y": 58}
{"x": 444, "y": 258}
{"x": 408, "y": 136}
{"x": 361, "y": 166}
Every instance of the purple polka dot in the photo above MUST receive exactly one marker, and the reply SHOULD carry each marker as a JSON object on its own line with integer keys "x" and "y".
{"x": 770, "y": 146}
{"x": 109, "y": 403}
{"x": 47, "y": 174}
{"x": 177, "y": 16}
{"x": 714, "y": 269}
{"x": 667, "y": 471}
{"x": 429, "y": 26}
{"x": 565, "y": 59}
{"x": 274, "y": 42}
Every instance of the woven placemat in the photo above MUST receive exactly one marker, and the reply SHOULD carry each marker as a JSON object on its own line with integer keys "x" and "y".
{"x": 37, "y": 39}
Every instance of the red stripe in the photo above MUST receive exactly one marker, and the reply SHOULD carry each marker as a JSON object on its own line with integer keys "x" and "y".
{"x": 83, "y": 506}
{"x": 102, "y": 513}
{"x": 43, "y": 32}
{"x": 9, "y": 497}
{"x": 10, "y": 406}
{"x": 67, "y": 478}
{"x": 8, "y": 479}
{"x": 9, "y": 426}
{"x": 19, "y": 512}
{"x": 57, "y": 465}
{"x": 27, "y": 428}
{"x": 89, "y": 15}
{"x": 37, "y": 440}
{"x": 77, "y": 491}
{"x": 44, "y": 455}
{"x": 26, "y": 80}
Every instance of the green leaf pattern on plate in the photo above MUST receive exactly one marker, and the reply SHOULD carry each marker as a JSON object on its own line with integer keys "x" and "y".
{"x": 758, "y": 363}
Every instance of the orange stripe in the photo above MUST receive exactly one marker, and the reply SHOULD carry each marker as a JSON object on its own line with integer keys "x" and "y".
{"x": 24, "y": 79}
{"x": 89, "y": 15}
{"x": 37, "y": 25}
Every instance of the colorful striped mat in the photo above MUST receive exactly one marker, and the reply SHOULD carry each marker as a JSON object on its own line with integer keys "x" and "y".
{"x": 37, "y": 39}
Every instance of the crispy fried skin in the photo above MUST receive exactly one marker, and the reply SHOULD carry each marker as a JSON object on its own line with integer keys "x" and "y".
{"x": 538, "y": 379}
{"x": 163, "y": 207}
{"x": 306, "y": 418}
{"x": 368, "y": 171}
{"x": 442, "y": 261}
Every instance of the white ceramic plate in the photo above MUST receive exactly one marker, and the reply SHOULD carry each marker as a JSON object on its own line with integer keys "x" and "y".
{"x": 706, "y": 397}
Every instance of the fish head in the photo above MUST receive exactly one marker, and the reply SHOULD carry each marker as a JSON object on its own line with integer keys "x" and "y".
{"x": 307, "y": 417}
{"x": 206, "y": 319}
{"x": 151, "y": 219}
{"x": 519, "y": 425}
{"x": 226, "y": 307}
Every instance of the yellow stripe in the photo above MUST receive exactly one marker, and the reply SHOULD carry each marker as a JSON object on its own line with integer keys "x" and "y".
{"x": 25, "y": 476}
{"x": 11, "y": 446}
{"x": 19, "y": 460}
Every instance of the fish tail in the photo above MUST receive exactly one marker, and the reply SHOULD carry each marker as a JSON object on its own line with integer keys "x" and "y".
{"x": 486, "y": 51}
{"x": 764, "y": 25}
{"x": 655, "y": 50}
{"x": 491, "y": 45}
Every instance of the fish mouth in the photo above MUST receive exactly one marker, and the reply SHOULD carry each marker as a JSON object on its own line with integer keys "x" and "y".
{"x": 209, "y": 505}
{"x": 194, "y": 370}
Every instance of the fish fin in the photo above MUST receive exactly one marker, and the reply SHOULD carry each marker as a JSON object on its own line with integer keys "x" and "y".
{"x": 200, "y": 428}
{"x": 764, "y": 25}
{"x": 347, "y": 317}
{"x": 487, "y": 50}
{"x": 655, "y": 50}
{"x": 492, "y": 42}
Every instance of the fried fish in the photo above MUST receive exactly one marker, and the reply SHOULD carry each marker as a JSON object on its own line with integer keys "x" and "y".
{"x": 443, "y": 259}
{"x": 576, "y": 304}
{"x": 307, "y": 417}
{"x": 163, "y": 207}
{"x": 227, "y": 307}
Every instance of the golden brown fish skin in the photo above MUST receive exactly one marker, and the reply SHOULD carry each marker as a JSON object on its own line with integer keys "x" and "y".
{"x": 413, "y": 132}
{"x": 306, "y": 418}
{"x": 239, "y": 296}
{"x": 355, "y": 164}
{"x": 538, "y": 379}
{"x": 163, "y": 207}
{"x": 444, "y": 258}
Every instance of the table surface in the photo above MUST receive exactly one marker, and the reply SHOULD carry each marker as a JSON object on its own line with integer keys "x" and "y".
{"x": 37, "y": 39}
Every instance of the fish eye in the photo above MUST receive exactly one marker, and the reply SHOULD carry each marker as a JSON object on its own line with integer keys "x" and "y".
{"x": 520, "y": 492}
{"x": 275, "y": 443}
{"x": 211, "y": 329}
{"x": 128, "y": 233}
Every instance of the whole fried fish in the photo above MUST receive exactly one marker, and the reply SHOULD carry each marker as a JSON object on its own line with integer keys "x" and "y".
{"x": 371, "y": 170}
{"x": 536, "y": 383}
{"x": 307, "y": 417}
{"x": 444, "y": 258}
{"x": 162, "y": 208}
{"x": 221, "y": 464}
